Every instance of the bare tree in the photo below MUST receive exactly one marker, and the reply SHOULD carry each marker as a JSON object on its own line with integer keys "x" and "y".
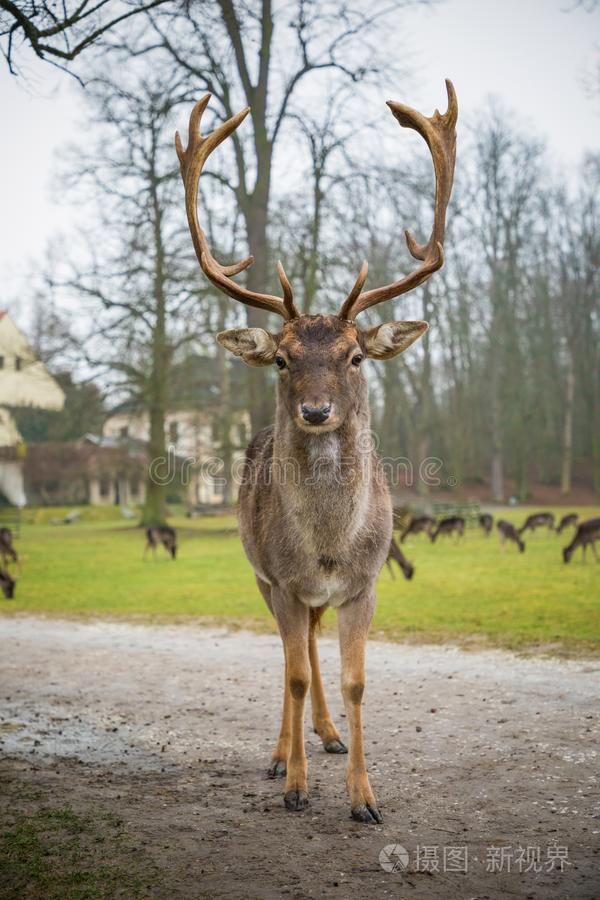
{"x": 137, "y": 287}
{"x": 503, "y": 205}
{"x": 263, "y": 55}
{"x": 58, "y": 32}
{"x": 578, "y": 252}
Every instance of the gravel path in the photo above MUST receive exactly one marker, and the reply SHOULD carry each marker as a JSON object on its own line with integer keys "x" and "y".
{"x": 171, "y": 728}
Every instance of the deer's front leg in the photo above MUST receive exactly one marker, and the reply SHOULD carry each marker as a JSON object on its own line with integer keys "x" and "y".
{"x": 282, "y": 750}
{"x": 292, "y": 619}
{"x": 353, "y": 622}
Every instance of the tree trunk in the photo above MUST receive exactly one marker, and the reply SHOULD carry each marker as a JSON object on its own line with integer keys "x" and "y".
{"x": 567, "y": 460}
{"x": 310, "y": 285}
{"x": 497, "y": 465}
{"x": 224, "y": 417}
{"x": 425, "y": 407}
{"x": 497, "y": 461}
{"x": 260, "y": 399}
{"x": 155, "y": 507}
{"x": 497, "y": 476}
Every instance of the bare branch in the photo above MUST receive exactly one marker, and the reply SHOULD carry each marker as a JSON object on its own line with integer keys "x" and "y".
{"x": 21, "y": 17}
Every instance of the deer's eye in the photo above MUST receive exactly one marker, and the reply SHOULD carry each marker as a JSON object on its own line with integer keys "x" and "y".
{"x": 280, "y": 362}
{"x": 356, "y": 360}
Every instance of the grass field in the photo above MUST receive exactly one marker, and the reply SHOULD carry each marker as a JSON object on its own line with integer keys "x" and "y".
{"x": 468, "y": 592}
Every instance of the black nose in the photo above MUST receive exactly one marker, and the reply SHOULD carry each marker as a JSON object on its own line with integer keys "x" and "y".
{"x": 315, "y": 415}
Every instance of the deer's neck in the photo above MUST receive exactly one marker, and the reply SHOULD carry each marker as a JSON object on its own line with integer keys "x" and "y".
{"x": 324, "y": 480}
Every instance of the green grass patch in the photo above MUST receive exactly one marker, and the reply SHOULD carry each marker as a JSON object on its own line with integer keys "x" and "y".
{"x": 460, "y": 590}
{"x": 54, "y": 854}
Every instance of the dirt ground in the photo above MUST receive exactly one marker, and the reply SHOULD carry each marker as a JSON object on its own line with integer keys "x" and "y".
{"x": 160, "y": 736}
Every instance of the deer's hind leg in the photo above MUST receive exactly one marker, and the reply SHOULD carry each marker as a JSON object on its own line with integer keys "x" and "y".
{"x": 321, "y": 717}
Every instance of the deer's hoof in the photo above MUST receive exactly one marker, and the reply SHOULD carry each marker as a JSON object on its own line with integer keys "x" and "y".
{"x": 335, "y": 746}
{"x": 368, "y": 814}
{"x": 295, "y": 800}
{"x": 277, "y": 769}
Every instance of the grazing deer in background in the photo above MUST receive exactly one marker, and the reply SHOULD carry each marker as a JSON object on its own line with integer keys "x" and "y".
{"x": 449, "y": 525}
{"x": 486, "y": 523}
{"x": 396, "y": 554}
{"x": 318, "y": 531}
{"x": 538, "y": 520}
{"x": 161, "y": 534}
{"x": 7, "y": 584}
{"x": 508, "y": 532}
{"x": 566, "y": 522}
{"x": 417, "y": 526}
{"x": 586, "y": 535}
{"x": 7, "y": 550}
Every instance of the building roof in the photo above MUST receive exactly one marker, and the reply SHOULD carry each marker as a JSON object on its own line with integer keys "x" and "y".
{"x": 24, "y": 379}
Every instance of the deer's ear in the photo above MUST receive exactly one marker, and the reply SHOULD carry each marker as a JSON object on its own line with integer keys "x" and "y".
{"x": 385, "y": 341}
{"x": 256, "y": 346}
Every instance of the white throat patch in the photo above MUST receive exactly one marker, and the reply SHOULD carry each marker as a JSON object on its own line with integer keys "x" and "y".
{"x": 324, "y": 452}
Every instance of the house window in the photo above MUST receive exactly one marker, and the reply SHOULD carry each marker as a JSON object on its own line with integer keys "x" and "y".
{"x": 1, "y": 362}
{"x": 104, "y": 487}
{"x": 18, "y": 363}
{"x": 173, "y": 432}
{"x": 124, "y": 431}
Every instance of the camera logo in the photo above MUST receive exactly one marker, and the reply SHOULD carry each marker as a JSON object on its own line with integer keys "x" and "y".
{"x": 394, "y": 858}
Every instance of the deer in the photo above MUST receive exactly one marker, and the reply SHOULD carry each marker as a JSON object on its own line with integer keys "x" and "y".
{"x": 7, "y": 550}
{"x": 161, "y": 534}
{"x": 395, "y": 554}
{"x": 314, "y": 508}
{"x": 538, "y": 520}
{"x": 449, "y": 525}
{"x": 508, "y": 532}
{"x": 419, "y": 525}
{"x": 586, "y": 535}
{"x": 7, "y": 584}
{"x": 567, "y": 521}
{"x": 486, "y": 523}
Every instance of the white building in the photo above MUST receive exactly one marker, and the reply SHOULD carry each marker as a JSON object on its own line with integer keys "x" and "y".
{"x": 189, "y": 436}
{"x": 24, "y": 381}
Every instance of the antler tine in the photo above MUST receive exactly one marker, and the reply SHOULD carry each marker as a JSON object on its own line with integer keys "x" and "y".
{"x": 354, "y": 293}
{"x": 191, "y": 161}
{"x": 439, "y": 132}
{"x": 288, "y": 294}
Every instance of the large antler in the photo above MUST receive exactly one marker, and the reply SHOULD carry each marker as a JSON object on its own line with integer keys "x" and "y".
{"x": 440, "y": 134}
{"x": 191, "y": 162}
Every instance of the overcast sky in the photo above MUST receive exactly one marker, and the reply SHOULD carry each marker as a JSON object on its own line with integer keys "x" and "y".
{"x": 532, "y": 54}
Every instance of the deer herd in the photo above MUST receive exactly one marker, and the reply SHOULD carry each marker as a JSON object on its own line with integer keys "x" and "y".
{"x": 586, "y": 533}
